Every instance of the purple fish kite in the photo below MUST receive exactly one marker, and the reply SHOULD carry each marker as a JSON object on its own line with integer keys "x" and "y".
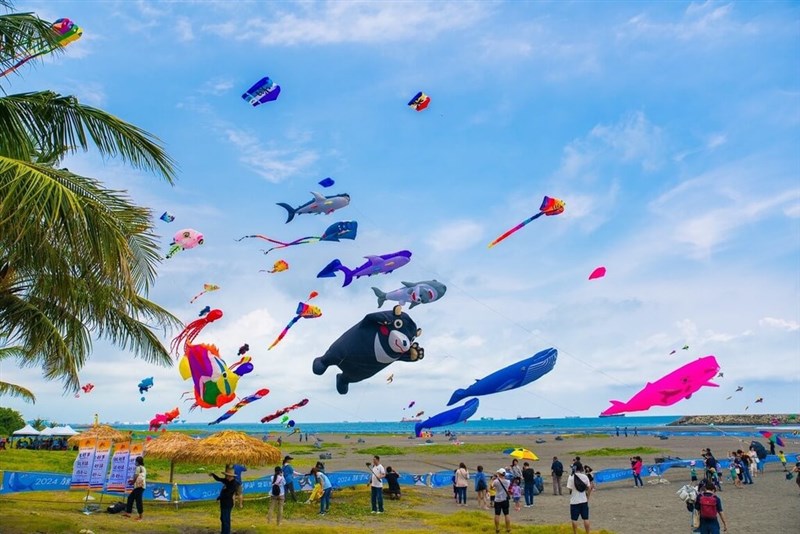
{"x": 374, "y": 265}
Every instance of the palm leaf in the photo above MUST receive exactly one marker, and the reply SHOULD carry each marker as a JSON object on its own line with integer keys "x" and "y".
{"x": 60, "y": 123}
{"x": 24, "y": 34}
{"x": 12, "y": 390}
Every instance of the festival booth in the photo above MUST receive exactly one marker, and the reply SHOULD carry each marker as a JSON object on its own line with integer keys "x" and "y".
{"x": 55, "y": 439}
{"x": 26, "y": 437}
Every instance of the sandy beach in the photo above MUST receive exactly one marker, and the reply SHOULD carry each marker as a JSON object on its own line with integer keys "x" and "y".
{"x": 772, "y": 504}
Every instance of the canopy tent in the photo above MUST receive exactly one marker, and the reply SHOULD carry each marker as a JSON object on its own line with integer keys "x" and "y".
{"x": 58, "y": 431}
{"x": 27, "y": 430}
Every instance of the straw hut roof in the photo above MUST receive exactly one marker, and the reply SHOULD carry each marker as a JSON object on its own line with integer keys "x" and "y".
{"x": 230, "y": 447}
{"x": 169, "y": 445}
{"x": 100, "y": 432}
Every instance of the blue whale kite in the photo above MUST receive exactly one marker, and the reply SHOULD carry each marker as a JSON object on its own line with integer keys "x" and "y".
{"x": 449, "y": 417}
{"x": 514, "y": 376}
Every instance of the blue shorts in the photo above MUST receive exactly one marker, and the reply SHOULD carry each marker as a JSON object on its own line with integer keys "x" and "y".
{"x": 579, "y": 510}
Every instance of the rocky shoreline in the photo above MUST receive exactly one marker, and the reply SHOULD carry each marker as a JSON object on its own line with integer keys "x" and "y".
{"x": 743, "y": 420}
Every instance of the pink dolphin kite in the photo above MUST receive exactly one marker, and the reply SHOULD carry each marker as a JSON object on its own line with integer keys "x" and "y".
{"x": 666, "y": 391}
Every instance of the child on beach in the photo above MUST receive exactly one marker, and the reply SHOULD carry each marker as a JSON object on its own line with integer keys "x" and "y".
{"x": 492, "y": 493}
{"x": 392, "y": 477}
{"x": 693, "y": 472}
{"x": 481, "y": 487}
{"x": 782, "y": 458}
{"x": 516, "y": 492}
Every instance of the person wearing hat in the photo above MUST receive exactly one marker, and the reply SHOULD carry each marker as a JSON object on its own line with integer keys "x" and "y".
{"x": 288, "y": 476}
{"x": 501, "y": 499}
{"x": 229, "y": 488}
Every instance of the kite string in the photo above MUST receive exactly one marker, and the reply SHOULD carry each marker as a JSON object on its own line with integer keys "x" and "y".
{"x": 509, "y": 319}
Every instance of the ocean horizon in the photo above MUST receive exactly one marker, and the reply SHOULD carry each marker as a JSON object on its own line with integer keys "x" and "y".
{"x": 477, "y": 426}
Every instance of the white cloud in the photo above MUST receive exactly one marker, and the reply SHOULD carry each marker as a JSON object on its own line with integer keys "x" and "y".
{"x": 217, "y": 86}
{"x": 706, "y": 22}
{"x": 781, "y": 324}
{"x": 455, "y": 236}
{"x": 273, "y": 164}
{"x": 332, "y": 22}
{"x": 184, "y": 29}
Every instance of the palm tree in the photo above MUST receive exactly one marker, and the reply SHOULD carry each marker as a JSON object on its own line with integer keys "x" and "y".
{"x": 12, "y": 390}
{"x": 75, "y": 257}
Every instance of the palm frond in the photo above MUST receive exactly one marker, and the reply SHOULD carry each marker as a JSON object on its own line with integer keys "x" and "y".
{"x": 61, "y": 123}
{"x": 22, "y": 35}
{"x": 13, "y": 390}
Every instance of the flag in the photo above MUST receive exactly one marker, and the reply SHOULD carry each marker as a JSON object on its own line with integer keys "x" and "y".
{"x": 137, "y": 449}
{"x": 100, "y": 464}
{"x": 119, "y": 468}
{"x": 82, "y": 468}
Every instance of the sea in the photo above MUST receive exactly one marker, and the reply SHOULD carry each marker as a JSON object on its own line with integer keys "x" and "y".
{"x": 475, "y": 427}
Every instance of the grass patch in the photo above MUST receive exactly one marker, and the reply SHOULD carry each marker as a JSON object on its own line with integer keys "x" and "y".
{"x": 449, "y": 448}
{"x": 476, "y": 521}
{"x": 383, "y": 450}
{"x": 612, "y": 451}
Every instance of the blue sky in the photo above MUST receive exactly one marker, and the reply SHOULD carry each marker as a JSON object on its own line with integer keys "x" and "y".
{"x": 671, "y": 131}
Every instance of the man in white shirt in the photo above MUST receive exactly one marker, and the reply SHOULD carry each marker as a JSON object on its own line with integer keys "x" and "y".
{"x": 579, "y": 500}
{"x": 376, "y": 484}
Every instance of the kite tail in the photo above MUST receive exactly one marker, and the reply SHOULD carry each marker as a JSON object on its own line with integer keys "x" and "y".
{"x": 330, "y": 272}
{"x": 191, "y": 331}
{"x": 291, "y": 211}
{"x": 381, "y": 296}
{"x": 457, "y": 396}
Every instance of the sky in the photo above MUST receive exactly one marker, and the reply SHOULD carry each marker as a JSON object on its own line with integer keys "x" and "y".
{"x": 671, "y": 130}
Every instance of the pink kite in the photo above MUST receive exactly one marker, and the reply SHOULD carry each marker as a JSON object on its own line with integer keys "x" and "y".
{"x": 600, "y": 272}
{"x": 164, "y": 419}
{"x": 666, "y": 391}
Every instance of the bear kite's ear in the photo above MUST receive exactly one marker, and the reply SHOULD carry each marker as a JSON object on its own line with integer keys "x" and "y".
{"x": 398, "y": 310}
{"x": 419, "y": 332}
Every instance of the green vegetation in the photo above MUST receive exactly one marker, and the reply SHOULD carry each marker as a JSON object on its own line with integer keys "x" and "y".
{"x": 51, "y": 512}
{"x": 383, "y": 450}
{"x": 10, "y": 420}
{"x": 612, "y": 451}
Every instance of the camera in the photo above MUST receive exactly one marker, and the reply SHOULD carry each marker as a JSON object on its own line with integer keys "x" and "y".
{"x": 368, "y": 464}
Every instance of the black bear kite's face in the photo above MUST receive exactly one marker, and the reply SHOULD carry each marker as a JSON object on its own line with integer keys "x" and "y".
{"x": 394, "y": 339}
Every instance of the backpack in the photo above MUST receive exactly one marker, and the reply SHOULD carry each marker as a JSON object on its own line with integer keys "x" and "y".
{"x": 580, "y": 485}
{"x": 481, "y": 485}
{"x": 116, "y": 508}
{"x": 708, "y": 506}
{"x": 276, "y": 489}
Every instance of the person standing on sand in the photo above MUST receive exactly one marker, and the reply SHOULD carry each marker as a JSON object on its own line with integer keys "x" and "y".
{"x": 580, "y": 490}
{"x": 462, "y": 481}
{"x": 502, "y": 498}
{"x": 376, "y": 484}
{"x": 139, "y": 484}
{"x": 557, "y": 470}
{"x": 710, "y": 507}
{"x": 480, "y": 488}
{"x": 636, "y": 467}
{"x": 229, "y": 489}
{"x": 528, "y": 478}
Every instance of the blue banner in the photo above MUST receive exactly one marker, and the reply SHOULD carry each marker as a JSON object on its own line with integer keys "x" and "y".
{"x": 15, "y": 481}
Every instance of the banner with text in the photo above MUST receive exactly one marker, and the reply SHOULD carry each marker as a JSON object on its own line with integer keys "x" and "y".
{"x": 119, "y": 468}
{"x": 82, "y": 468}
{"x": 136, "y": 450}
{"x": 100, "y": 464}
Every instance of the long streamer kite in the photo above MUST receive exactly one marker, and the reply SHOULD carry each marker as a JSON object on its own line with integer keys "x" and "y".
{"x": 304, "y": 311}
{"x": 550, "y": 206}
{"x": 282, "y": 411}
{"x": 66, "y": 32}
{"x": 260, "y": 394}
{"x": 206, "y": 289}
{"x": 335, "y": 232}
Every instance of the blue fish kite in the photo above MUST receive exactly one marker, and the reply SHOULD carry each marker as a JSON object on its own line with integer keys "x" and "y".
{"x": 449, "y": 417}
{"x": 335, "y": 232}
{"x": 145, "y": 384}
{"x": 374, "y": 265}
{"x": 318, "y": 205}
{"x": 264, "y": 90}
{"x": 514, "y": 376}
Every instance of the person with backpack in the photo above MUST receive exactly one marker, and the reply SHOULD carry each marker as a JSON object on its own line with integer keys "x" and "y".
{"x": 139, "y": 482}
{"x": 277, "y": 496}
{"x": 557, "y": 470}
{"x": 229, "y": 489}
{"x": 580, "y": 490}
{"x": 710, "y": 507}
{"x": 481, "y": 487}
{"x": 502, "y": 499}
{"x": 528, "y": 477}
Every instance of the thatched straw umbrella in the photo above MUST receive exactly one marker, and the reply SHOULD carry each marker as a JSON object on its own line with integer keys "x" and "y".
{"x": 167, "y": 446}
{"x": 229, "y": 447}
{"x": 100, "y": 432}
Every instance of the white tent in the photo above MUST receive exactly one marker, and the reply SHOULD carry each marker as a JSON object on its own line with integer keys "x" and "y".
{"x": 58, "y": 431}
{"x": 27, "y": 430}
